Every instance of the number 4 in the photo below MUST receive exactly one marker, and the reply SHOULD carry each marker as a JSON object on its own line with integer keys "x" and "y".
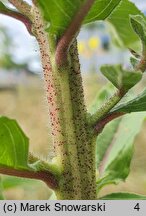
{"x": 137, "y": 207}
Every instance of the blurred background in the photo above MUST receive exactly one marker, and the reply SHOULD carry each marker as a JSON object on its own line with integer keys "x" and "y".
{"x": 22, "y": 97}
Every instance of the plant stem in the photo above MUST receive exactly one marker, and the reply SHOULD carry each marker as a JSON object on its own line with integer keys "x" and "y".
{"x": 22, "y": 6}
{"x": 72, "y": 30}
{"x": 101, "y": 124}
{"x": 85, "y": 142}
{"x": 45, "y": 176}
{"x": 58, "y": 95}
{"x": 109, "y": 104}
{"x": 18, "y": 16}
{"x": 73, "y": 141}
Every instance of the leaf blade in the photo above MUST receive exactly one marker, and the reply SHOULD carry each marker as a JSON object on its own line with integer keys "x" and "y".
{"x": 10, "y": 182}
{"x": 123, "y": 196}
{"x": 3, "y": 8}
{"x": 117, "y": 163}
{"x": 1, "y": 190}
{"x": 139, "y": 25}
{"x": 119, "y": 19}
{"x": 120, "y": 78}
{"x": 137, "y": 104}
{"x": 105, "y": 138}
{"x": 101, "y": 10}
{"x": 60, "y": 13}
{"x": 13, "y": 145}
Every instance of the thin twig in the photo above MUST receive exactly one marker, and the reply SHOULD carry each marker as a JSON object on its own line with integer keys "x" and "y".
{"x": 16, "y": 15}
{"x": 105, "y": 109}
{"x": 22, "y": 6}
{"x": 102, "y": 123}
{"x": 45, "y": 176}
{"x": 65, "y": 41}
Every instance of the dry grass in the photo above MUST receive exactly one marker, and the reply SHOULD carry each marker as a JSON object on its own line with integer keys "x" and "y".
{"x": 29, "y": 107}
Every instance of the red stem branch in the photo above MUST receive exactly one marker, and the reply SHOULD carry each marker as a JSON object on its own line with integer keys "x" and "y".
{"x": 101, "y": 124}
{"x": 45, "y": 176}
{"x": 65, "y": 41}
{"x": 16, "y": 15}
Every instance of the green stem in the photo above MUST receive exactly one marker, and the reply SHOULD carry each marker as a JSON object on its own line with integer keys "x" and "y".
{"x": 60, "y": 111}
{"x": 70, "y": 182}
{"x": 104, "y": 110}
{"x": 73, "y": 142}
{"x": 85, "y": 143}
{"x": 42, "y": 165}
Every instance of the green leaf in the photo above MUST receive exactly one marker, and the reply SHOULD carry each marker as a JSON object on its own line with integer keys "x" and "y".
{"x": 59, "y": 13}
{"x": 123, "y": 196}
{"x": 13, "y": 145}
{"x": 2, "y": 7}
{"x": 139, "y": 25}
{"x": 120, "y": 78}
{"x": 101, "y": 10}
{"x": 105, "y": 138}
{"x": 134, "y": 62}
{"x": 137, "y": 104}
{"x": 116, "y": 162}
{"x": 1, "y": 190}
{"x": 119, "y": 19}
{"x": 12, "y": 182}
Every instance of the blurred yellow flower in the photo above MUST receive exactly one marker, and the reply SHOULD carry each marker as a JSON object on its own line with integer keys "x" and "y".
{"x": 81, "y": 47}
{"x": 94, "y": 42}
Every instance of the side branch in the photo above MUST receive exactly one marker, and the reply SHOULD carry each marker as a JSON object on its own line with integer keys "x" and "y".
{"x": 16, "y": 15}
{"x": 102, "y": 123}
{"x": 22, "y": 6}
{"x": 45, "y": 176}
{"x": 104, "y": 110}
{"x": 65, "y": 41}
